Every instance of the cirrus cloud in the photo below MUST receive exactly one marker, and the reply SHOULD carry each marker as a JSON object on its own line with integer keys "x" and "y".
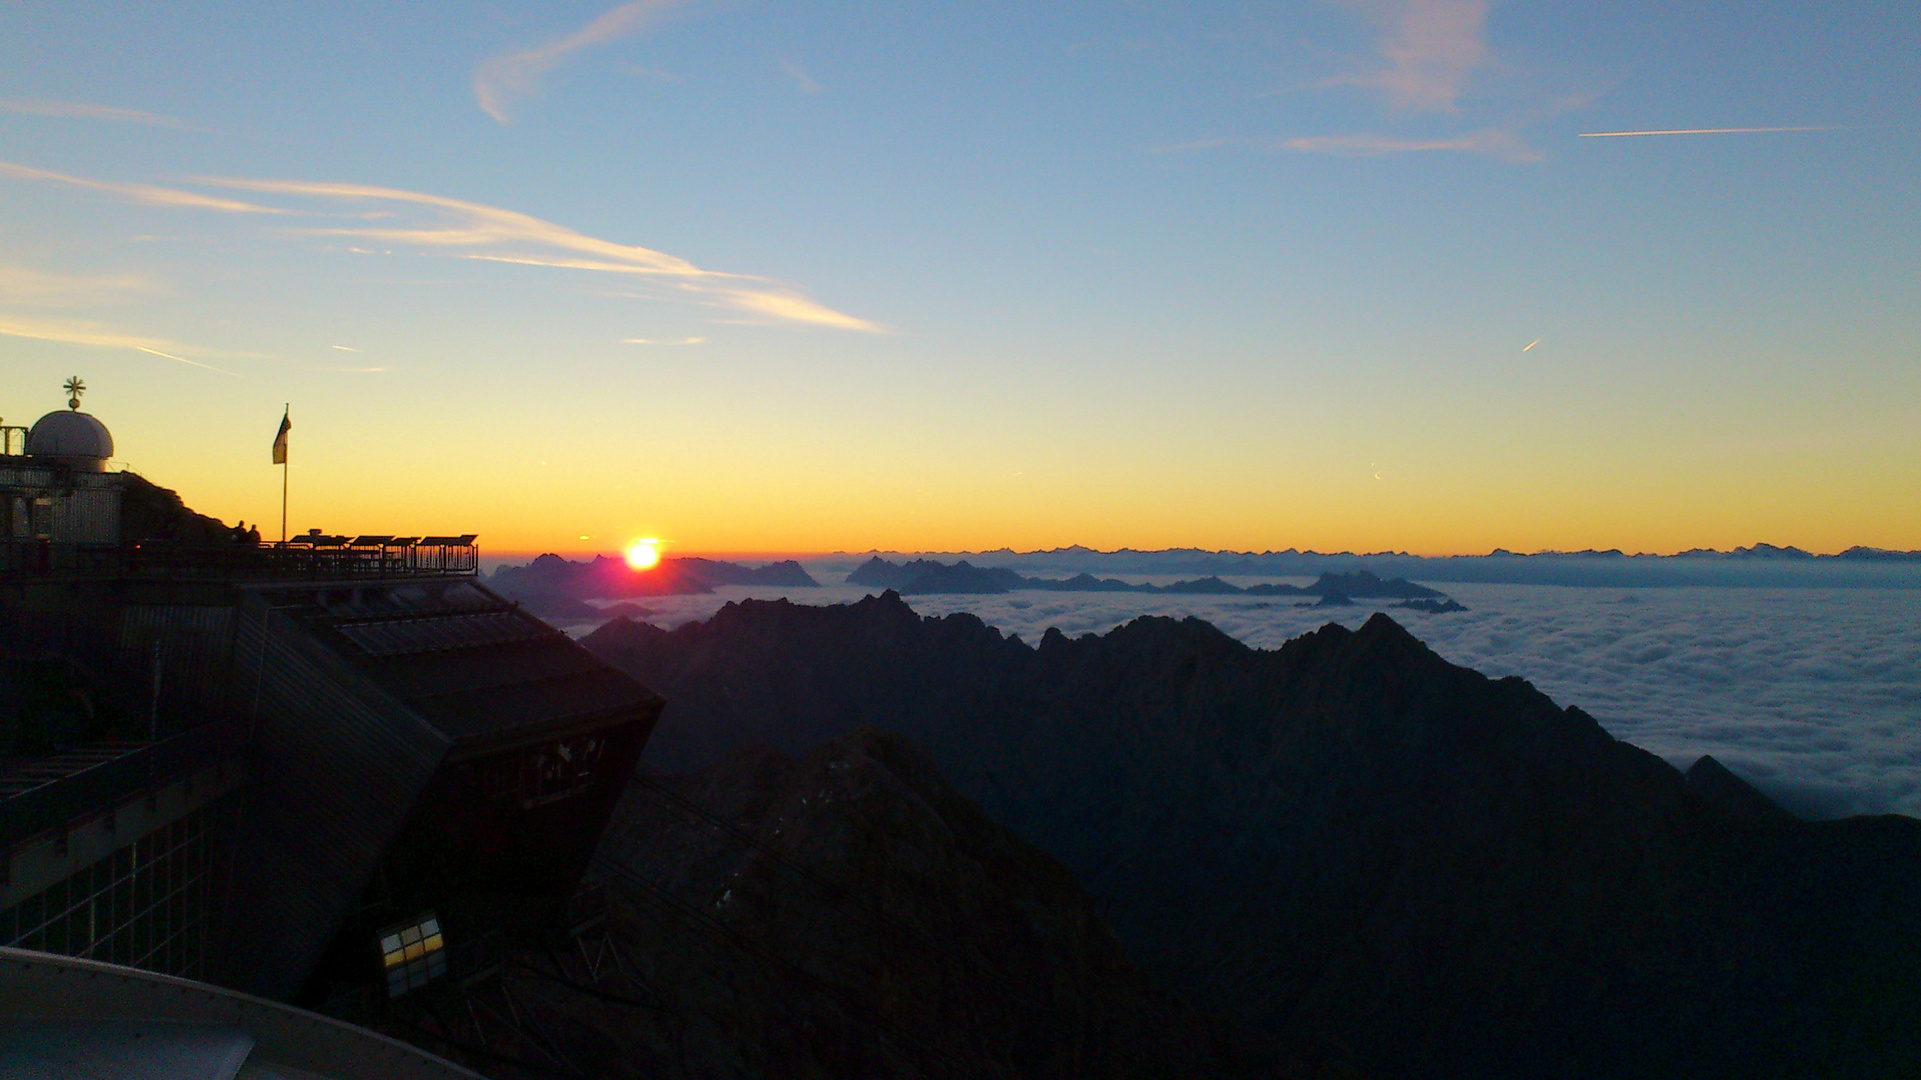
{"x": 503, "y": 78}
{"x": 81, "y": 111}
{"x": 1493, "y": 142}
{"x": 30, "y": 287}
{"x": 399, "y": 218}
{"x": 1431, "y": 48}
{"x": 147, "y": 194}
{"x": 496, "y": 234}
{"x": 73, "y": 332}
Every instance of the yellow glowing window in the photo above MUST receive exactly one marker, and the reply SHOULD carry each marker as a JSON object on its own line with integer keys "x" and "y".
{"x": 413, "y": 954}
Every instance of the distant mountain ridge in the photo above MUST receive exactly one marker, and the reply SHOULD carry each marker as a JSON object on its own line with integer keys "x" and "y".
{"x": 559, "y": 588}
{"x": 1758, "y": 550}
{"x": 928, "y": 576}
{"x": 1760, "y": 564}
{"x": 1351, "y": 844}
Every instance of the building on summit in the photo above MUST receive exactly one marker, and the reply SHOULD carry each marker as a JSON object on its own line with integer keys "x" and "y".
{"x": 324, "y": 772}
{"x": 57, "y": 489}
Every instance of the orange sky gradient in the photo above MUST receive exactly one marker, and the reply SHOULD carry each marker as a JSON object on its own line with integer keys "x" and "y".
{"x": 1342, "y": 277}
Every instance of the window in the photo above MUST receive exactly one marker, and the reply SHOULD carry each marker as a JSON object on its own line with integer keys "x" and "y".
{"x": 144, "y": 906}
{"x": 414, "y": 954}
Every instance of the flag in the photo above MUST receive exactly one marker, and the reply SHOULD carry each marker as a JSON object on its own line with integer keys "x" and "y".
{"x": 280, "y": 440}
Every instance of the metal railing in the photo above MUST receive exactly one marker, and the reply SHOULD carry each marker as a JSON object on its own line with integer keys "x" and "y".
{"x": 90, "y": 792}
{"x": 311, "y": 556}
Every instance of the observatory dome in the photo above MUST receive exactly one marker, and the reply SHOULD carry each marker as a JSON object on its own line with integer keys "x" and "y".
{"x": 71, "y": 438}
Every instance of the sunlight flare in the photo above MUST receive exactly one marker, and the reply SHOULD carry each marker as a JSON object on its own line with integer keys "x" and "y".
{"x": 643, "y": 554}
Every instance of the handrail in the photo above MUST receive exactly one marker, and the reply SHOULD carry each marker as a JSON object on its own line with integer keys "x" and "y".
{"x": 307, "y": 557}
{"x": 93, "y": 790}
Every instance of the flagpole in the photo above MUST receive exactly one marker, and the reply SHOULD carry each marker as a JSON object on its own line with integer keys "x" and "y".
{"x": 283, "y": 484}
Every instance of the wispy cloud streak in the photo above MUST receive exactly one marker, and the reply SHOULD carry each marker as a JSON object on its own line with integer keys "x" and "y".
{"x": 147, "y": 194}
{"x": 83, "y": 333}
{"x": 489, "y": 233}
{"x": 1431, "y": 49}
{"x": 1211, "y": 143}
{"x": 77, "y": 110}
{"x": 787, "y": 306}
{"x": 514, "y": 75}
{"x": 1705, "y": 131}
{"x": 512, "y": 237}
{"x": 184, "y": 360}
{"x": 38, "y": 288}
{"x": 801, "y": 79}
{"x": 1493, "y": 142}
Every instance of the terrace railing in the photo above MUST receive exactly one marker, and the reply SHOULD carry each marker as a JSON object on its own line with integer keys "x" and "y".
{"x": 306, "y": 557}
{"x": 29, "y": 811}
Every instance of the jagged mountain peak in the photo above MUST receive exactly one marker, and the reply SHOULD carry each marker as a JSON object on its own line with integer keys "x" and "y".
{"x": 1347, "y": 835}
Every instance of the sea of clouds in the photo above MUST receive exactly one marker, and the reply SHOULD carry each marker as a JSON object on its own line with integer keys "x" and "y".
{"x": 1811, "y": 694}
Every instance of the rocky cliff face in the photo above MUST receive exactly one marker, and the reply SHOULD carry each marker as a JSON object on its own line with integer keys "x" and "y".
{"x": 848, "y": 914}
{"x": 149, "y": 512}
{"x": 1351, "y": 844}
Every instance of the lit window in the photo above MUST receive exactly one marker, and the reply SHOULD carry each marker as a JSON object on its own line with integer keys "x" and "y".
{"x": 414, "y": 954}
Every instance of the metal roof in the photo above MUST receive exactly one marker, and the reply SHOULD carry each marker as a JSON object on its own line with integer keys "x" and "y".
{"x": 474, "y": 666}
{"x": 462, "y": 630}
{"x": 364, "y": 690}
{"x": 60, "y": 1016}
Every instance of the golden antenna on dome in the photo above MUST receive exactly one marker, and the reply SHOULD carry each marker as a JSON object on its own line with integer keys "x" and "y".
{"x": 74, "y": 388}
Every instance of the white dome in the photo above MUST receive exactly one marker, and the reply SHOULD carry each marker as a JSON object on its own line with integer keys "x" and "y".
{"x": 73, "y": 438}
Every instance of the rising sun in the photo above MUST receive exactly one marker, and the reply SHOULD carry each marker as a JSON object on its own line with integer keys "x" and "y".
{"x": 643, "y": 554}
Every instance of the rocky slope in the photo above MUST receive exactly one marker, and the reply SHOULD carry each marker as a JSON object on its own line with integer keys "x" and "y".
{"x": 150, "y": 513}
{"x": 1351, "y": 844}
{"x": 857, "y": 917}
{"x": 845, "y": 914}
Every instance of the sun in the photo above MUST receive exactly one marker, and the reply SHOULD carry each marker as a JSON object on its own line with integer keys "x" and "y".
{"x": 643, "y": 554}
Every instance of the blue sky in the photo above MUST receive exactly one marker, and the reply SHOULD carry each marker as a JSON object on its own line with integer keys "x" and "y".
{"x": 810, "y": 276}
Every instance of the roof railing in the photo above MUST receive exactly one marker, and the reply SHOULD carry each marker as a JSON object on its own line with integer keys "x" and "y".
{"x": 313, "y": 555}
{"x": 62, "y": 801}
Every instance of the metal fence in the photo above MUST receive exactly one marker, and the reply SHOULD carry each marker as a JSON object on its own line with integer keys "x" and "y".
{"x": 61, "y": 803}
{"x": 307, "y": 557}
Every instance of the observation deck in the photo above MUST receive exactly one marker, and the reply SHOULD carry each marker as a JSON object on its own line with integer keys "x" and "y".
{"x": 309, "y": 557}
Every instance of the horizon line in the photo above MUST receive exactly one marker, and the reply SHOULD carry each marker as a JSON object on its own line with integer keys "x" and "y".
{"x": 1497, "y": 552}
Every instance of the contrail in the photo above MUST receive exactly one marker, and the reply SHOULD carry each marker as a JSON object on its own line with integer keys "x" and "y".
{"x": 1702, "y": 131}
{"x": 184, "y": 360}
{"x": 1530, "y": 344}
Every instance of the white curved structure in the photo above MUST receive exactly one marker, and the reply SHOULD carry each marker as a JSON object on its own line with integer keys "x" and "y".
{"x": 72, "y": 438}
{"x": 62, "y": 1017}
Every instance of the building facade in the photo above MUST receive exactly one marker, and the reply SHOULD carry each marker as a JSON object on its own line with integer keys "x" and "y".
{"x": 307, "y": 771}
